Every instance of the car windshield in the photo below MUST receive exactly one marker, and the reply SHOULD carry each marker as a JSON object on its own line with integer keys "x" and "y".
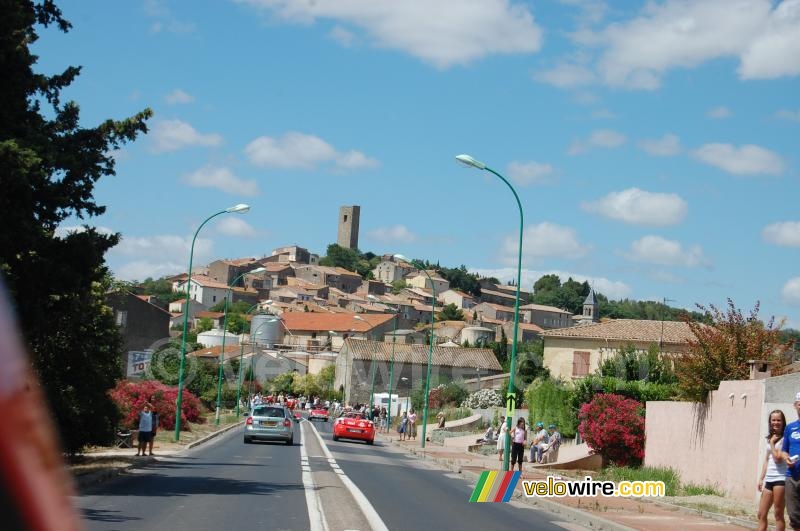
{"x": 268, "y": 412}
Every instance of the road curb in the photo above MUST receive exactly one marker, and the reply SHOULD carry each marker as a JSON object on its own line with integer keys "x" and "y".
{"x": 100, "y": 476}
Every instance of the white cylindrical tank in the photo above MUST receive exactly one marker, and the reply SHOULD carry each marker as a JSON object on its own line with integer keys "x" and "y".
{"x": 476, "y": 334}
{"x": 213, "y": 338}
{"x": 266, "y": 329}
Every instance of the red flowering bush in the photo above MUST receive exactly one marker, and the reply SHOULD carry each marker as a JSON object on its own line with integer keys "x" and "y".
{"x": 613, "y": 426}
{"x": 130, "y": 397}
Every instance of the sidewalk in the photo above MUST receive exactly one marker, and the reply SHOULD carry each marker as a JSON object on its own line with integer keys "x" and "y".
{"x": 105, "y": 463}
{"x": 598, "y": 512}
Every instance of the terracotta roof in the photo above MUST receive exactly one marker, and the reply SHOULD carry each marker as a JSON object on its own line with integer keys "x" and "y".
{"x": 531, "y": 326}
{"x": 239, "y": 261}
{"x": 500, "y": 294}
{"x": 210, "y": 315}
{"x": 544, "y": 308}
{"x": 361, "y": 349}
{"x": 231, "y": 351}
{"x": 338, "y": 322}
{"x": 499, "y": 307}
{"x": 675, "y": 332}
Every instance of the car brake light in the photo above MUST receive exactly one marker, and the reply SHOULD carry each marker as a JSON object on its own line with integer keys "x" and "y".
{"x": 287, "y": 423}
{"x": 249, "y": 421}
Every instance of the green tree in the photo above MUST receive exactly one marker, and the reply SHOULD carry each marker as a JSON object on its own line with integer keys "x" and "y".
{"x": 160, "y": 289}
{"x": 450, "y": 312}
{"x": 338, "y": 256}
{"x": 398, "y": 286}
{"x": 204, "y": 325}
{"x": 49, "y": 164}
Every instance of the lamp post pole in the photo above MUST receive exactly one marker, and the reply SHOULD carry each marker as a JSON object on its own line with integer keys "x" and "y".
{"x": 241, "y": 369}
{"x": 430, "y": 346}
{"x": 241, "y": 209}
{"x": 469, "y": 161}
{"x": 224, "y": 331}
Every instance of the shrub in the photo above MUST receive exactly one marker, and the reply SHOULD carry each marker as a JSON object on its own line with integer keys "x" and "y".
{"x": 586, "y": 388}
{"x": 485, "y": 398}
{"x": 613, "y": 426}
{"x": 549, "y": 401}
{"x": 129, "y": 397}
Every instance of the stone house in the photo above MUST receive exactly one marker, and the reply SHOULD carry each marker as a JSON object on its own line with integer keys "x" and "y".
{"x": 496, "y": 311}
{"x": 545, "y": 316}
{"x": 226, "y": 271}
{"x": 418, "y": 279}
{"x": 335, "y": 277}
{"x": 578, "y": 351}
{"x": 462, "y": 300}
{"x": 143, "y": 326}
{"x": 389, "y": 271}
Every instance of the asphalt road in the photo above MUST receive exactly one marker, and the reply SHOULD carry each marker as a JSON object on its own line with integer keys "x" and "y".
{"x": 226, "y": 484}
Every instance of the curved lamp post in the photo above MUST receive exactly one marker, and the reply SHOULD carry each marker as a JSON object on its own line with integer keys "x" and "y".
{"x": 469, "y": 161}
{"x": 224, "y": 331}
{"x": 241, "y": 208}
{"x": 391, "y": 363}
{"x": 430, "y": 346}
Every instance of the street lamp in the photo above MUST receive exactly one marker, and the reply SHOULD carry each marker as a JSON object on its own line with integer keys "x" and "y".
{"x": 391, "y": 363}
{"x": 408, "y": 396}
{"x": 241, "y": 208}
{"x": 469, "y": 161}
{"x": 430, "y": 346}
{"x": 224, "y": 331}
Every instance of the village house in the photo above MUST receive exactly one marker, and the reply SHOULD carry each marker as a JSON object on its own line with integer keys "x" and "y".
{"x": 577, "y": 351}
{"x": 462, "y": 300}
{"x": 335, "y": 277}
{"x": 142, "y": 325}
{"x": 353, "y": 366}
{"x": 418, "y": 279}
{"x": 314, "y": 331}
{"x": 226, "y": 271}
{"x": 495, "y": 311}
{"x": 389, "y": 271}
{"x": 545, "y": 316}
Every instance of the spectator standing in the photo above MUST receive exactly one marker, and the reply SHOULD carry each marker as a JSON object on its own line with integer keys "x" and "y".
{"x": 790, "y": 450}
{"x": 412, "y": 425}
{"x": 145, "y": 435}
{"x": 440, "y": 418}
{"x": 501, "y": 436}
{"x": 402, "y": 428}
{"x": 519, "y": 436}
{"x": 773, "y": 474}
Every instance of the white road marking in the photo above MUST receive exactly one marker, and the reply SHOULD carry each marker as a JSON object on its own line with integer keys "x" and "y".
{"x": 316, "y": 516}
{"x": 372, "y": 516}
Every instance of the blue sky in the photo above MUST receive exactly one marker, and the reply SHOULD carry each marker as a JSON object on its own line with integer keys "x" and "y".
{"x": 653, "y": 146}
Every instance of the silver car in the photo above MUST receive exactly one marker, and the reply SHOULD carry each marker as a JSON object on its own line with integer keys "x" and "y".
{"x": 269, "y": 423}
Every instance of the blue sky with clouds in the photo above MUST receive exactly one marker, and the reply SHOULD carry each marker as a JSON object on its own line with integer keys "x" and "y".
{"x": 653, "y": 144}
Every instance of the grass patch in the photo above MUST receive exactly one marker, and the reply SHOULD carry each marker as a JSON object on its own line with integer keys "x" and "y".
{"x": 669, "y": 476}
{"x": 700, "y": 490}
{"x": 456, "y": 413}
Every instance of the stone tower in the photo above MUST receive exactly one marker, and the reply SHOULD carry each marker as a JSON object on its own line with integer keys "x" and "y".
{"x": 348, "y": 226}
{"x": 591, "y": 308}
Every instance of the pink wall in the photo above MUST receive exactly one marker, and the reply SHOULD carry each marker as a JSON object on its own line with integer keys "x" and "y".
{"x": 720, "y": 447}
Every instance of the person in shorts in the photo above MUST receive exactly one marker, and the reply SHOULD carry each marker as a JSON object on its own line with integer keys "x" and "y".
{"x": 146, "y": 427}
{"x": 790, "y": 453}
{"x": 773, "y": 474}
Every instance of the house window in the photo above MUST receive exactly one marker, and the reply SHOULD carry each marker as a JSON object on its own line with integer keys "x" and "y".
{"x": 122, "y": 318}
{"x": 345, "y": 218}
{"x": 580, "y": 363}
{"x": 213, "y": 298}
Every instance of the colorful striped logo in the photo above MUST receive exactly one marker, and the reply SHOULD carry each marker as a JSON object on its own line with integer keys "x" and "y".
{"x": 495, "y": 486}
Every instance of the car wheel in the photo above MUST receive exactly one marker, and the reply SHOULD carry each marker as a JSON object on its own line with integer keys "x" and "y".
{"x": 248, "y": 440}
{"x": 335, "y": 438}
{"x": 290, "y": 442}
{"x": 326, "y": 420}
{"x": 370, "y": 441}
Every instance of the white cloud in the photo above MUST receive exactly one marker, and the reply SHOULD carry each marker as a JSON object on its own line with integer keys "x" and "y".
{"x": 786, "y": 233}
{"x": 222, "y": 179}
{"x": 640, "y": 207}
{"x": 439, "y": 33}
{"x": 786, "y": 114}
{"x": 236, "y": 226}
{"x": 342, "y": 36}
{"x": 665, "y": 146}
{"x": 64, "y": 230}
{"x": 172, "y": 135}
{"x": 600, "y": 138}
{"x": 719, "y": 113}
{"x": 543, "y": 240}
{"x": 603, "y": 114}
{"x": 686, "y": 33}
{"x": 179, "y": 96}
{"x": 773, "y": 53}
{"x": 163, "y": 19}
{"x": 301, "y": 151}
{"x": 155, "y": 256}
{"x": 613, "y": 289}
{"x": 566, "y": 75}
{"x": 660, "y": 251}
{"x": 394, "y": 234}
{"x": 791, "y": 290}
{"x": 745, "y": 160}
{"x": 528, "y": 173}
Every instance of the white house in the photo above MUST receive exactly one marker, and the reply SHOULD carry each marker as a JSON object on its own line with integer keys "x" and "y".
{"x": 206, "y": 291}
{"x": 459, "y": 298}
{"x": 421, "y": 280}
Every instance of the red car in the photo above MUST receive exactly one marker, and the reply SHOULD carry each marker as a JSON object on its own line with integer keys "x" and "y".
{"x": 318, "y": 413}
{"x": 354, "y": 426}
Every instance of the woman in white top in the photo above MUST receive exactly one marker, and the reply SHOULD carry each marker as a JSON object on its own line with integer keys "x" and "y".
{"x": 502, "y": 434}
{"x": 773, "y": 474}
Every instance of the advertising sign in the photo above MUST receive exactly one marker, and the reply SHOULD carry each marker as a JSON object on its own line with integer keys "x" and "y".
{"x": 138, "y": 362}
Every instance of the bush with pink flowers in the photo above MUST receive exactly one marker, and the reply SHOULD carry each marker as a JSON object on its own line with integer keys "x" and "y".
{"x": 613, "y": 426}
{"x": 130, "y": 396}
